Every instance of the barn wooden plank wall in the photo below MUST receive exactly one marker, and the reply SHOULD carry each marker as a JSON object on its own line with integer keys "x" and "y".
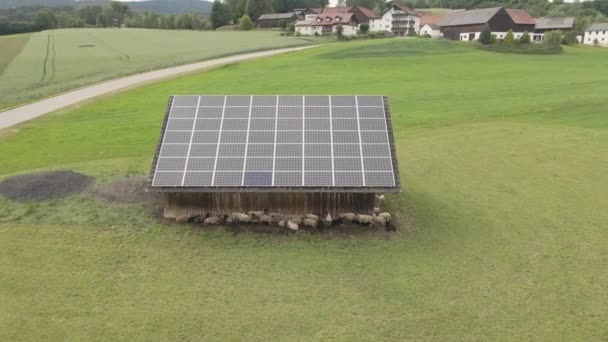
{"x": 298, "y": 203}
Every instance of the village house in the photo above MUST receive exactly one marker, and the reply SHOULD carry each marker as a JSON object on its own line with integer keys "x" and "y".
{"x": 546, "y": 24}
{"x": 399, "y": 20}
{"x": 467, "y": 25}
{"x": 596, "y": 34}
{"x": 326, "y": 20}
{"x": 272, "y": 20}
{"x": 432, "y": 30}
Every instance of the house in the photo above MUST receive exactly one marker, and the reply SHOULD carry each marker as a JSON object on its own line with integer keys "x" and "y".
{"x": 467, "y": 25}
{"x": 325, "y": 24}
{"x": 399, "y": 20}
{"x": 545, "y": 24}
{"x": 430, "y": 29}
{"x": 291, "y": 155}
{"x": 275, "y": 19}
{"x": 326, "y": 20}
{"x": 597, "y": 35}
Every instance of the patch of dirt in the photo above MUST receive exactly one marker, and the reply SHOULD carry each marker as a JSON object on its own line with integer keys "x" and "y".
{"x": 130, "y": 190}
{"x": 44, "y": 186}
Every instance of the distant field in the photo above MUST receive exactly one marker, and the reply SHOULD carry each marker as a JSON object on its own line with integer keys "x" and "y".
{"x": 503, "y": 227}
{"x": 10, "y": 47}
{"x": 58, "y": 60}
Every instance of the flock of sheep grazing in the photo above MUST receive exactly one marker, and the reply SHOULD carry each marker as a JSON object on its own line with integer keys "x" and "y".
{"x": 376, "y": 218}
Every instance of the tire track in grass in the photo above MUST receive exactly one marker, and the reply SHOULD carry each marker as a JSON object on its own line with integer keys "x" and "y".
{"x": 121, "y": 54}
{"x": 53, "y": 53}
{"x": 46, "y": 57}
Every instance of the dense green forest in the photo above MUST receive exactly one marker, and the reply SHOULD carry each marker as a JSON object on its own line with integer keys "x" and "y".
{"x": 115, "y": 14}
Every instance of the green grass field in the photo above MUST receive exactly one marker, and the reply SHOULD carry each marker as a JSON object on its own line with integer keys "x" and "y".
{"x": 504, "y": 227}
{"x": 59, "y": 60}
{"x": 11, "y": 46}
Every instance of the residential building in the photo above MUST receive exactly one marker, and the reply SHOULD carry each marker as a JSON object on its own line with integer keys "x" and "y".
{"x": 596, "y": 34}
{"x": 431, "y": 29}
{"x": 325, "y": 20}
{"x": 399, "y": 20}
{"x": 467, "y": 25}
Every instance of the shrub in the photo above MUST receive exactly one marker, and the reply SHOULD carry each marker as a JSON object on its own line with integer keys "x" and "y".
{"x": 553, "y": 37}
{"x": 291, "y": 27}
{"x": 245, "y": 23}
{"x": 426, "y": 35}
{"x": 569, "y": 38}
{"x": 595, "y": 42}
{"x": 283, "y": 24}
{"x": 509, "y": 39}
{"x": 525, "y": 38}
{"x": 485, "y": 37}
{"x": 364, "y": 28}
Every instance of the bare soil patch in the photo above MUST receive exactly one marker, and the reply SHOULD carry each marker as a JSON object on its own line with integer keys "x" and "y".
{"x": 130, "y": 190}
{"x": 44, "y": 186}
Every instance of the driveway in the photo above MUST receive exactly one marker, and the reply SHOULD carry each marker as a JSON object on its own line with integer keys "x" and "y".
{"x": 30, "y": 111}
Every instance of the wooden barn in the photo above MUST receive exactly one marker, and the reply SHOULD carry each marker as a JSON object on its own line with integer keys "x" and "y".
{"x": 467, "y": 25}
{"x": 273, "y": 20}
{"x": 292, "y": 155}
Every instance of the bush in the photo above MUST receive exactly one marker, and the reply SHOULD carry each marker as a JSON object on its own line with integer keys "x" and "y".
{"x": 553, "y": 37}
{"x": 569, "y": 38}
{"x": 340, "y": 33}
{"x": 485, "y": 37}
{"x": 245, "y": 23}
{"x": 596, "y": 42}
{"x": 509, "y": 39}
{"x": 364, "y": 28}
{"x": 526, "y": 49}
{"x": 426, "y": 35}
{"x": 525, "y": 38}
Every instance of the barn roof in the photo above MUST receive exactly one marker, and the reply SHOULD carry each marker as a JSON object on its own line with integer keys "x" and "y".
{"x": 277, "y": 16}
{"x": 520, "y": 17}
{"x": 598, "y": 27}
{"x": 472, "y": 17}
{"x": 310, "y": 143}
{"x": 554, "y": 23}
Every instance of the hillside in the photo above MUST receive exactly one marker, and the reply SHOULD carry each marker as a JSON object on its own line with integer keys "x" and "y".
{"x": 159, "y": 6}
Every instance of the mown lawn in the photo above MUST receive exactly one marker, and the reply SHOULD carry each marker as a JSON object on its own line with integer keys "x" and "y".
{"x": 58, "y": 60}
{"x": 10, "y": 47}
{"x": 504, "y": 227}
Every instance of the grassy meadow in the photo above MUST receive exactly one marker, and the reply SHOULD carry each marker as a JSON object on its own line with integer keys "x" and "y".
{"x": 11, "y": 46}
{"x": 503, "y": 224}
{"x": 58, "y": 60}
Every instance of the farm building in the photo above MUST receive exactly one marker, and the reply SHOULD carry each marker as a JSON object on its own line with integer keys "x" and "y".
{"x": 545, "y": 24}
{"x": 275, "y": 19}
{"x": 467, "y": 25}
{"x": 325, "y": 20}
{"x": 289, "y": 154}
{"x": 430, "y": 29}
{"x": 596, "y": 34}
{"x": 398, "y": 19}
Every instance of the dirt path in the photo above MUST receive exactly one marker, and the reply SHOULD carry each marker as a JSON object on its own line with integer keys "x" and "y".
{"x": 27, "y": 112}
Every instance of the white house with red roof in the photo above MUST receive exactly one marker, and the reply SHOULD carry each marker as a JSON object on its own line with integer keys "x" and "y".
{"x": 399, "y": 20}
{"x": 326, "y": 20}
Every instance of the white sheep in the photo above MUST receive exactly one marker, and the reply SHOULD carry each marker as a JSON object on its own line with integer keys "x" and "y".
{"x": 292, "y": 225}
{"x": 376, "y": 210}
{"x": 296, "y": 220}
{"x": 379, "y": 221}
{"x": 240, "y": 217}
{"x": 347, "y": 217}
{"x": 256, "y": 214}
{"x": 266, "y": 219}
{"x": 283, "y": 223}
{"x": 311, "y": 217}
{"x": 310, "y": 223}
{"x": 387, "y": 216}
{"x": 327, "y": 220}
{"x": 212, "y": 220}
{"x": 276, "y": 216}
{"x": 365, "y": 219}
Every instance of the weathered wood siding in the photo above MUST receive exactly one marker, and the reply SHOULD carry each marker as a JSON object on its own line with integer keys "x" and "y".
{"x": 298, "y": 203}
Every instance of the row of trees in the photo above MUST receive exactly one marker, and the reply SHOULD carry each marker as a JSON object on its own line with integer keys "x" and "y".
{"x": 552, "y": 38}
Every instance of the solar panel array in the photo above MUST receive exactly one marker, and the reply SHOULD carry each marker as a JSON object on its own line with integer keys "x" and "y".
{"x": 275, "y": 141}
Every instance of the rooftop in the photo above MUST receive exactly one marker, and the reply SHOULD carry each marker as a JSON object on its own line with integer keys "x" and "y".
{"x": 472, "y": 17}
{"x": 547, "y": 23}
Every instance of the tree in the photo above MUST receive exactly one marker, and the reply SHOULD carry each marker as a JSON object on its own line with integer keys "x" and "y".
{"x": 525, "y": 38}
{"x": 255, "y": 8}
{"x": 364, "y": 27}
{"x": 245, "y": 23}
{"x": 485, "y": 37}
{"x": 509, "y": 38}
{"x": 340, "y": 32}
{"x": 595, "y": 42}
{"x": 553, "y": 37}
{"x": 220, "y": 15}
{"x": 89, "y": 13}
{"x": 45, "y": 20}
{"x": 569, "y": 38}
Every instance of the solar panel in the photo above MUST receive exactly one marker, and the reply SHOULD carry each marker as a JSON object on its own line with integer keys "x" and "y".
{"x": 264, "y": 142}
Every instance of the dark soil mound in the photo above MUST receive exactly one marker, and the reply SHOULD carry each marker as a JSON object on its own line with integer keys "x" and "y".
{"x": 44, "y": 186}
{"x": 130, "y": 190}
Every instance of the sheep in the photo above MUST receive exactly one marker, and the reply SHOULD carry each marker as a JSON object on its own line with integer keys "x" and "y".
{"x": 364, "y": 219}
{"x": 240, "y": 217}
{"x": 387, "y": 216}
{"x": 212, "y": 220}
{"x": 310, "y": 223}
{"x": 257, "y": 214}
{"x": 379, "y": 199}
{"x": 347, "y": 217}
{"x": 292, "y": 226}
{"x": 276, "y": 216}
{"x": 266, "y": 219}
{"x": 296, "y": 220}
{"x": 283, "y": 223}
{"x": 327, "y": 220}
{"x": 379, "y": 221}
{"x": 376, "y": 210}
{"x": 311, "y": 217}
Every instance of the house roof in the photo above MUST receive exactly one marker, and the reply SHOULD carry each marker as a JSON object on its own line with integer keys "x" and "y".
{"x": 276, "y": 16}
{"x": 431, "y": 18}
{"x": 472, "y": 17}
{"x": 332, "y": 11}
{"x": 367, "y": 12}
{"x": 598, "y": 27}
{"x": 432, "y": 26}
{"x": 554, "y": 23}
{"x": 520, "y": 17}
